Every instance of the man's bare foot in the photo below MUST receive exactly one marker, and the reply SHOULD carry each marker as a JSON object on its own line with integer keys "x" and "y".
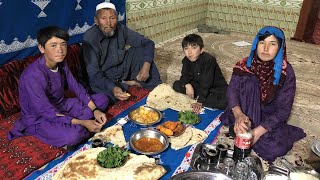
{"x": 133, "y": 83}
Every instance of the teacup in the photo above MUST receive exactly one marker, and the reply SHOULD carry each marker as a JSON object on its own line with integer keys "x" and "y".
{"x": 209, "y": 152}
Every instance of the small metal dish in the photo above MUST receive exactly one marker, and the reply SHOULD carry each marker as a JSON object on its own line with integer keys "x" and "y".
{"x": 145, "y": 108}
{"x": 149, "y": 133}
{"x": 276, "y": 172}
{"x": 305, "y": 170}
{"x": 299, "y": 169}
{"x": 315, "y": 147}
{"x": 193, "y": 174}
{"x": 177, "y": 131}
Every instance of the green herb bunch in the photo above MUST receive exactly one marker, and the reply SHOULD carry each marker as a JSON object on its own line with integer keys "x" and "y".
{"x": 112, "y": 157}
{"x": 188, "y": 117}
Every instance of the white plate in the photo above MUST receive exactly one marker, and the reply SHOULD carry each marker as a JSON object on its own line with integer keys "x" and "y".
{"x": 317, "y": 145}
{"x": 314, "y": 149}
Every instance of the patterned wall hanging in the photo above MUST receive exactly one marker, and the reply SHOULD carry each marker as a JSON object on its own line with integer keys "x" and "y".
{"x": 20, "y": 20}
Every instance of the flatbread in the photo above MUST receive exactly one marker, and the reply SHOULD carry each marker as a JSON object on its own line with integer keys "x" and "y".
{"x": 163, "y": 97}
{"x": 85, "y": 166}
{"x": 185, "y": 139}
{"x": 113, "y": 134}
{"x": 197, "y": 136}
{"x": 182, "y": 140}
{"x": 78, "y": 166}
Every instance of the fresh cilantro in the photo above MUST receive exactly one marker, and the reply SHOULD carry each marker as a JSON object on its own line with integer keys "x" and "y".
{"x": 188, "y": 117}
{"x": 112, "y": 157}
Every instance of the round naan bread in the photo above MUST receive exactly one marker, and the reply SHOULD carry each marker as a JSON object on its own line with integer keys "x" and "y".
{"x": 163, "y": 97}
{"x": 84, "y": 166}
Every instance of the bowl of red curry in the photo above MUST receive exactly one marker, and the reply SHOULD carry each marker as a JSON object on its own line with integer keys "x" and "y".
{"x": 149, "y": 142}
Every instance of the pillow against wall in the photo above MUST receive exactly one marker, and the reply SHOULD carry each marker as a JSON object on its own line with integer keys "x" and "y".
{"x": 9, "y": 77}
{"x": 73, "y": 60}
{"x": 11, "y": 72}
{"x": 77, "y": 66}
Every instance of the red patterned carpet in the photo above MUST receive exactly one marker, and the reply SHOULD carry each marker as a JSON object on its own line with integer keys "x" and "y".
{"x": 23, "y": 155}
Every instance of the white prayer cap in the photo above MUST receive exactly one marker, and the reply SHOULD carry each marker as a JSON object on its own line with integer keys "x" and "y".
{"x": 105, "y": 5}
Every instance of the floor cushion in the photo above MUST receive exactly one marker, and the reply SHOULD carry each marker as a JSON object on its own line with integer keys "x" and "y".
{"x": 23, "y": 155}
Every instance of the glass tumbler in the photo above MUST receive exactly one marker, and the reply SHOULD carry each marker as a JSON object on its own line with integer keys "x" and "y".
{"x": 241, "y": 171}
{"x": 201, "y": 163}
{"x": 228, "y": 167}
{"x": 253, "y": 173}
{"x": 222, "y": 151}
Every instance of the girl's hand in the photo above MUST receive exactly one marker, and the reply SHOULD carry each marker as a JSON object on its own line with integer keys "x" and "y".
{"x": 257, "y": 133}
{"x": 242, "y": 122}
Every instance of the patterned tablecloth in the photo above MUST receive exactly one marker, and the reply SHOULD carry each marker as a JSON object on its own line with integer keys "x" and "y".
{"x": 174, "y": 161}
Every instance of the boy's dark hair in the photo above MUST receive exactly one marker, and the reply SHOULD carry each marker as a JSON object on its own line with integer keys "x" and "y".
{"x": 192, "y": 39}
{"x": 44, "y": 34}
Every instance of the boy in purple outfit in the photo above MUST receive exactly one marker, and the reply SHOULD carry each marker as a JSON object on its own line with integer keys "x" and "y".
{"x": 261, "y": 93}
{"x": 46, "y": 113}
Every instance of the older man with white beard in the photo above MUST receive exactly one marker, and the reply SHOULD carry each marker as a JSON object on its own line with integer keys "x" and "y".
{"x": 117, "y": 57}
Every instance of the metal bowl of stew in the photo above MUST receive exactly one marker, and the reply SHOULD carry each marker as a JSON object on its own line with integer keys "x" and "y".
{"x": 145, "y": 116}
{"x": 149, "y": 142}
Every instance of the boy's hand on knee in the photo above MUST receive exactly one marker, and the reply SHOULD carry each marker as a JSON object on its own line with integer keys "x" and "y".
{"x": 189, "y": 91}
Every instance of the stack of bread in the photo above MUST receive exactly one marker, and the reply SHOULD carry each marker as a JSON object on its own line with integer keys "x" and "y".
{"x": 163, "y": 97}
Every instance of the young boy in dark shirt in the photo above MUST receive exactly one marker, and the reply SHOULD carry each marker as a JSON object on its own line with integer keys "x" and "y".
{"x": 201, "y": 77}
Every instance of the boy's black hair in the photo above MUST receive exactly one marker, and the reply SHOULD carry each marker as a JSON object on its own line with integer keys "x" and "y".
{"x": 192, "y": 39}
{"x": 267, "y": 34}
{"x": 44, "y": 34}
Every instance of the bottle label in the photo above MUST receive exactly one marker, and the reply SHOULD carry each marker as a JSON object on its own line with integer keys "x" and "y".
{"x": 242, "y": 143}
